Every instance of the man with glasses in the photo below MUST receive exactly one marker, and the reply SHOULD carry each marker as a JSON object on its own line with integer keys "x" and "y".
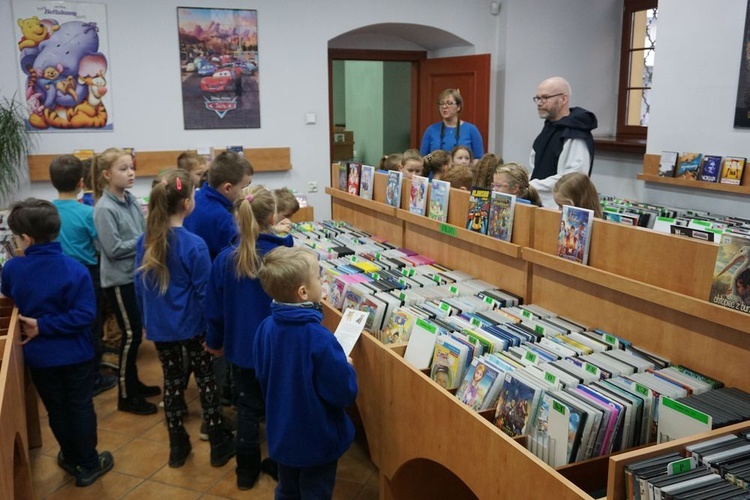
{"x": 565, "y": 143}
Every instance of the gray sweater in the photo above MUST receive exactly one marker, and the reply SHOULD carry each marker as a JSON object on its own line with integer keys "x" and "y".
{"x": 119, "y": 224}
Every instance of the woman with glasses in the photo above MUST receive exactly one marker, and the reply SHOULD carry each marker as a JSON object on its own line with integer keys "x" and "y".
{"x": 451, "y": 131}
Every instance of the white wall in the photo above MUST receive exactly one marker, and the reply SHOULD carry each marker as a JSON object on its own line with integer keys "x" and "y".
{"x": 694, "y": 92}
{"x": 293, "y": 42}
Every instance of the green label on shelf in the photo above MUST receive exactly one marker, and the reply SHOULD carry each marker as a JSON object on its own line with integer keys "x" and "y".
{"x": 530, "y": 357}
{"x": 594, "y": 370}
{"x": 539, "y": 329}
{"x": 436, "y": 278}
{"x": 377, "y": 256}
{"x": 445, "y": 307}
{"x": 610, "y": 339}
{"x": 641, "y": 389}
{"x": 560, "y": 408}
{"x": 375, "y": 276}
{"x": 427, "y": 326}
{"x": 551, "y": 378}
{"x": 476, "y": 322}
{"x": 454, "y": 289}
{"x": 356, "y": 241}
{"x": 314, "y": 245}
{"x": 411, "y": 272}
{"x": 447, "y": 229}
{"x": 525, "y": 313}
{"x": 354, "y": 258}
{"x": 401, "y": 296}
{"x": 680, "y": 466}
{"x": 685, "y": 410}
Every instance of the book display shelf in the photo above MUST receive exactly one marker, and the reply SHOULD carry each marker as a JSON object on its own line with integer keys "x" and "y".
{"x": 18, "y": 410}
{"x": 651, "y": 169}
{"x": 649, "y": 288}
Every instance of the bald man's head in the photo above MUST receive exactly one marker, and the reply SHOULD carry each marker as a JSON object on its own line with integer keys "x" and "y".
{"x": 553, "y": 98}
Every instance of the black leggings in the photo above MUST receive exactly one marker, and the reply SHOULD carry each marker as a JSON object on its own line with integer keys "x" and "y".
{"x": 125, "y": 305}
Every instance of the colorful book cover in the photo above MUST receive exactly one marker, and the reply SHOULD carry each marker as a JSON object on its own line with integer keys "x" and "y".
{"x": 478, "y": 216}
{"x": 731, "y": 283}
{"x": 240, "y": 150}
{"x": 131, "y": 152}
{"x": 476, "y": 384}
{"x": 502, "y": 207}
{"x": 393, "y": 188}
{"x": 399, "y": 326}
{"x": 439, "y": 196}
{"x": 711, "y": 169}
{"x": 667, "y": 163}
{"x": 352, "y": 184}
{"x": 343, "y": 176}
{"x": 574, "y": 237}
{"x": 366, "y": 182}
{"x": 446, "y": 367}
{"x": 731, "y": 170}
{"x": 418, "y": 195}
{"x": 688, "y": 166}
{"x": 83, "y": 154}
{"x": 516, "y": 406}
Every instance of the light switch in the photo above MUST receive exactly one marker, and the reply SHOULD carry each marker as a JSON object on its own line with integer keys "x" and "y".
{"x": 310, "y": 118}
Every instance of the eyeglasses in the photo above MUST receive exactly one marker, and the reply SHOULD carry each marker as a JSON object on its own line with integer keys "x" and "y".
{"x": 446, "y": 103}
{"x": 543, "y": 98}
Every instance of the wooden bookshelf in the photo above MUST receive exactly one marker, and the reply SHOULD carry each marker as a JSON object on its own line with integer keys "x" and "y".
{"x": 150, "y": 163}
{"x": 651, "y": 169}
{"x": 19, "y": 430}
{"x": 646, "y": 287}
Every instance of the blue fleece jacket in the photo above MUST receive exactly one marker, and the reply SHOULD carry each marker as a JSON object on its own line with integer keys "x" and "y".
{"x": 77, "y": 231}
{"x": 56, "y": 290}
{"x": 236, "y": 306}
{"x": 178, "y": 314}
{"x": 212, "y": 220}
{"x": 307, "y": 384}
{"x": 468, "y": 136}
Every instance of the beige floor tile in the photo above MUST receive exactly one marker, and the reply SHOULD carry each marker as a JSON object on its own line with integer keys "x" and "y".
{"x": 111, "y": 485}
{"x": 346, "y": 490}
{"x": 46, "y": 475}
{"x": 355, "y": 465}
{"x": 141, "y": 458}
{"x": 197, "y": 473}
{"x": 120, "y": 421}
{"x": 152, "y": 490}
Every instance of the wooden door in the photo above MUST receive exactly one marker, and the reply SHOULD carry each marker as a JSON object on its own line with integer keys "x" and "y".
{"x": 469, "y": 74}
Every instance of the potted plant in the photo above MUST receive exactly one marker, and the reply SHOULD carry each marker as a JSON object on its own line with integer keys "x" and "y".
{"x": 15, "y": 144}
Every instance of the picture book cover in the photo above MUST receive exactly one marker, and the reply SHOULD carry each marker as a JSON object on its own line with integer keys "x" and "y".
{"x": 393, "y": 188}
{"x": 688, "y": 166}
{"x": 439, "y": 196}
{"x": 731, "y": 282}
{"x": 398, "y": 328}
{"x": 516, "y": 406}
{"x": 574, "y": 237}
{"x": 366, "y": 181}
{"x": 711, "y": 169}
{"x": 343, "y": 176}
{"x": 446, "y": 364}
{"x": 502, "y": 207}
{"x": 83, "y": 154}
{"x": 352, "y": 184}
{"x": 476, "y": 384}
{"x": 418, "y": 195}
{"x": 731, "y": 170}
{"x": 667, "y": 163}
{"x": 478, "y": 216}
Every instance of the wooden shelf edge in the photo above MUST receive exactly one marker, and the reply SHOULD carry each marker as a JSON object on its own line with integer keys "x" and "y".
{"x": 706, "y": 186}
{"x": 359, "y": 201}
{"x": 685, "y": 304}
{"x": 499, "y": 246}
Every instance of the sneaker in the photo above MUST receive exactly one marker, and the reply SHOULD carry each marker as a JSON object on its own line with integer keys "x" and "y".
{"x": 110, "y": 360}
{"x": 67, "y": 467}
{"x": 104, "y": 383}
{"x": 87, "y": 477}
{"x": 148, "y": 391}
{"x": 137, "y": 406}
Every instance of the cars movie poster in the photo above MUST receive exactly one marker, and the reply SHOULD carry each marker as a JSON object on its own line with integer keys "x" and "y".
{"x": 63, "y": 57}
{"x": 219, "y": 67}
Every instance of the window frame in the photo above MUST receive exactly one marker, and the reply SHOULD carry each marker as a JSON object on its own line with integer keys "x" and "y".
{"x": 623, "y": 130}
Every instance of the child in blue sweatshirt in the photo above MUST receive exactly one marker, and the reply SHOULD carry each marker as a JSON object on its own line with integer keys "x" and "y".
{"x": 56, "y": 305}
{"x": 172, "y": 270}
{"x": 235, "y": 307}
{"x": 306, "y": 378}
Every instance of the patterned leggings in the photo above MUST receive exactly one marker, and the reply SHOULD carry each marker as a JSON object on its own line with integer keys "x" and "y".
{"x": 201, "y": 363}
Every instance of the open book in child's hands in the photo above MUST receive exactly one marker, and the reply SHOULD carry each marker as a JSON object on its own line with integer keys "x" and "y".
{"x": 350, "y": 328}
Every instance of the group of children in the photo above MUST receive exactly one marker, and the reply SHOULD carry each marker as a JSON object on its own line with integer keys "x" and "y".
{"x": 199, "y": 277}
{"x": 462, "y": 171}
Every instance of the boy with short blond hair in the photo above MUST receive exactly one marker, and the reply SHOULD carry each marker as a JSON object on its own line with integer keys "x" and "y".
{"x": 306, "y": 379}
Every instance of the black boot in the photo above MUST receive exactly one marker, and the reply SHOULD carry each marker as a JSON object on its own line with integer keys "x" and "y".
{"x": 222, "y": 446}
{"x": 179, "y": 448}
{"x": 248, "y": 469}
{"x": 270, "y": 467}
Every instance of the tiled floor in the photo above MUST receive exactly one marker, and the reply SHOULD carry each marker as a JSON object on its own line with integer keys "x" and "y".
{"x": 140, "y": 446}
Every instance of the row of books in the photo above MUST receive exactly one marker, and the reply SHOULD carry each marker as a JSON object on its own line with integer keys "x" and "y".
{"x": 717, "y": 468}
{"x": 706, "y": 168}
{"x": 489, "y": 212}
